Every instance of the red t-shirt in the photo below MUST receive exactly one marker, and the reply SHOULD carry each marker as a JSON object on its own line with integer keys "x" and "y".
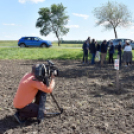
{"x": 28, "y": 89}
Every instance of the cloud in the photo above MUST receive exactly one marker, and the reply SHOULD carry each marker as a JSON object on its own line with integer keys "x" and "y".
{"x": 81, "y": 15}
{"x": 131, "y": 32}
{"x": 34, "y": 1}
{"x": 132, "y": 27}
{"x": 69, "y": 20}
{"x": 7, "y": 36}
{"x": 128, "y": 24}
{"x": 34, "y": 34}
{"x": 22, "y": 1}
{"x": 72, "y": 26}
{"x": 102, "y": 24}
{"x": 105, "y": 23}
{"x": 12, "y": 24}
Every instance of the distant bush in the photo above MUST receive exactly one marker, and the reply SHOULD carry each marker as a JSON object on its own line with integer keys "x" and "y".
{"x": 75, "y": 41}
{"x": 72, "y": 41}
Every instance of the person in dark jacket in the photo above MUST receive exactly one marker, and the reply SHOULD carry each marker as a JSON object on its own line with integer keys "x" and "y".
{"x": 93, "y": 51}
{"x": 103, "y": 51}
{"x": 119, "y": 52}
{"x": 85, "y": 48}
{"x": 111, "y": 52}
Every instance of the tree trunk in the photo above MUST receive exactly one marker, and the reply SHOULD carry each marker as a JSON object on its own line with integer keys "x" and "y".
{"x": 58, "y": 39}
{"x": 58, "y": 42}
{"x": 115, "y": 32}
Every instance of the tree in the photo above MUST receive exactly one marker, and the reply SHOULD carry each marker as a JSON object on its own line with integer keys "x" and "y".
{"x": 53, "y": 20}
{"x": 113, "y": 15}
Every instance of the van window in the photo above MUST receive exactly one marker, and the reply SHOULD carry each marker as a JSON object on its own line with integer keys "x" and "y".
{"x": 28, "y": 38}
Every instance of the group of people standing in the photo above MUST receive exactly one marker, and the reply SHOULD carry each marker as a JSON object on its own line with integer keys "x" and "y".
{"x": 100, "y": 50}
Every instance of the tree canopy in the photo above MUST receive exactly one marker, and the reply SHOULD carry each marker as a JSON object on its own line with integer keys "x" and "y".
{"x": 53, "y": 19}
{"x": 113, "y": 15}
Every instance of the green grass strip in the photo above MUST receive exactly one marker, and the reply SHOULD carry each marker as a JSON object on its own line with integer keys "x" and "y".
{"x": 40, "y": 53}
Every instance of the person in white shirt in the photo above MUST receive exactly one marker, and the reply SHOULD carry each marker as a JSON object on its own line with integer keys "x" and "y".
{"x": 128, "y": 54}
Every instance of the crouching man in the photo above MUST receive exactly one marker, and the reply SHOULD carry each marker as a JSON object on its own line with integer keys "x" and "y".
{"x": 31, "y": 87}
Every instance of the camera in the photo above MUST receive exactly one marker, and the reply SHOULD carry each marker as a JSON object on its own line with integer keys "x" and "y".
{"x": 51, "y": 69}
{"x": 42, "y": 71}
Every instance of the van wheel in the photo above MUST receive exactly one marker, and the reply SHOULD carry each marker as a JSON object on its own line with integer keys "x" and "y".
{"x": 43, "y": 45}
{"x": 22, "y": 45}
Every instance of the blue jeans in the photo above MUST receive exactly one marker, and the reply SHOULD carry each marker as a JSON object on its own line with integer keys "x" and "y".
{"x": 93, "y": 57}
{"x": 41, "y": 109}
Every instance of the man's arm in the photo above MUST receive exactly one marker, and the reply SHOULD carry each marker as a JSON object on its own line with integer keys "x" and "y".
{"x": 52, "y": 84}
{"x": 43, "y": 87}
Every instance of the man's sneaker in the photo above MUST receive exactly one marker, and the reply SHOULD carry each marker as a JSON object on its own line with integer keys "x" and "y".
{"x": 16, "y": 116}
{"x": 40, "y": 121}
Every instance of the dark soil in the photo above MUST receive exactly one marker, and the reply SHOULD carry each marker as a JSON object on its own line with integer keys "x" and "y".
{"x": 87, "y": 93}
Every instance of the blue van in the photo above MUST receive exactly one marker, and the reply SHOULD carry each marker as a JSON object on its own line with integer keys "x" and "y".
{"x": 33, "y": 42}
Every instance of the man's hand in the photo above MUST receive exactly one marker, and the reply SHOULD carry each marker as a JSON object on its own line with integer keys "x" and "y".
{"x": 52, "y": 83}
{"x": 54, "y": 74}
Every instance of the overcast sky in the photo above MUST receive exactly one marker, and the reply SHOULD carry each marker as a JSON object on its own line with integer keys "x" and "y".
{"x": 18, "y": 18}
